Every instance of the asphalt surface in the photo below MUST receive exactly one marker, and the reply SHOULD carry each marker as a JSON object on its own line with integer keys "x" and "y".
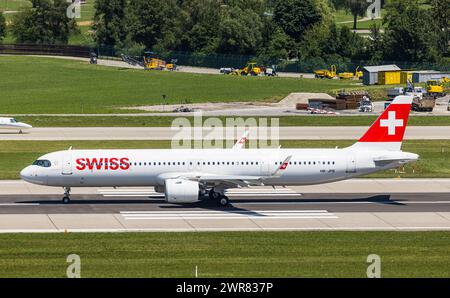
{"x": 358, "y": 204}
{"x": 166, "y": 133}
{"x": 95, "y": 204}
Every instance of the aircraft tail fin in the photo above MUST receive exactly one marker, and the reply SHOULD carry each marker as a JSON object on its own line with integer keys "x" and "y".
{"x": 388, "y": 130}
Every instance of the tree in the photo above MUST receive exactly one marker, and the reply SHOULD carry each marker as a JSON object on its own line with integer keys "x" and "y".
{"x": 357, "y": 8}
{"x": 45, "y": 22}
{"x": 375, "y": 45}
{"x": 2, "y": 26}
{"x": 109, "y": 21}
{"x": 240, "y": 31}
{"x": 407, "y": 36}
{"x": 152, "y": 22}
{"x": 199, "y": 22}
{"x": 296, "y": 16}
{"x": 440, "y": 15}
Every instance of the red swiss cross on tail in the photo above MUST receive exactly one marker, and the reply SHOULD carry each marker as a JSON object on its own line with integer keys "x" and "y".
{"x": 388, "y": 130}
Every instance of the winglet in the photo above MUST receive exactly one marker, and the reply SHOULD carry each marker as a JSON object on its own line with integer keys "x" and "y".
{"x": 241, "y": 141}
{"x": 283, "y": 166}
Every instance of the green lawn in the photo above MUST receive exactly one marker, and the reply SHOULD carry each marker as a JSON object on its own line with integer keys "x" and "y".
{"x": 434, "y": 162}
{"x": 47, "y": 85}
{"x": 13, "y": 5}
{"x": 240, "y": 254}
{"x": 161, "y": 121}
{"x": 85, "y": 37}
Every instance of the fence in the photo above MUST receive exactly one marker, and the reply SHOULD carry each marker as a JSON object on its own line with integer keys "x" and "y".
{"x": 211, "y": 60}
{"x": 34, "y": 49}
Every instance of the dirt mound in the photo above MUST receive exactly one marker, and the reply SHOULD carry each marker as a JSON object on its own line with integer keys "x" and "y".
{"x": 301, "y": 97}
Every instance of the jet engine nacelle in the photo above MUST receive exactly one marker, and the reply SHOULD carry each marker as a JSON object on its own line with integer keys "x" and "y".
{"x": 181, "y": 191}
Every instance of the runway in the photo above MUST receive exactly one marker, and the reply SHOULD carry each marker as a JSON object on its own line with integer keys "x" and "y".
{"x": 166, "y": 133}
{"x": 256, "y": 209}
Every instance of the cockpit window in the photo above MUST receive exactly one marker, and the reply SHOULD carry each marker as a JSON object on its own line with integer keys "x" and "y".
{"x": 42, "y": 163}
{"x": 12, "y": 120}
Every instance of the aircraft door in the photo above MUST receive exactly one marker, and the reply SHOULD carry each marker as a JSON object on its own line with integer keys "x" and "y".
{"x": 67, "y": 163}
{"x": 351, "y": 163}
{"x": 265, "y": 166}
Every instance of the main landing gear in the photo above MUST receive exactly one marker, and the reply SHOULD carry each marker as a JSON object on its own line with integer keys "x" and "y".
{"x": 219, "y": 197}
{"x": 66, "y": 198}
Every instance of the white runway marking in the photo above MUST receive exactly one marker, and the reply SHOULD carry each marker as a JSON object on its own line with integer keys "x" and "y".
{"x": 265, "y": 214}
{"x": 19, "y": 204}
{"x": 141, "y": 192}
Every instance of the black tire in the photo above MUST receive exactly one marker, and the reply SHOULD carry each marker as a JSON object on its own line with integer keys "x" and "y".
{"x": 66, "y": 200}
{"x": 213, "y": 195}
{"x": 224, "y": 201}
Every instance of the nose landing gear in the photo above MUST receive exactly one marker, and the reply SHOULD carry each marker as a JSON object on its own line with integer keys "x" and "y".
{"x": 66, "y": 198}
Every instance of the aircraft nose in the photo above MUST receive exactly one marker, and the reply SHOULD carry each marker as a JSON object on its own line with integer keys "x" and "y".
{"x": 24, "y": 125}
{"x": 26, "y": 173}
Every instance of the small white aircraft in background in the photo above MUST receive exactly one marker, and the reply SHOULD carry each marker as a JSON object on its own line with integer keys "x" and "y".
{"x": 192, "y": 175}
{"x": 12, "y": 123}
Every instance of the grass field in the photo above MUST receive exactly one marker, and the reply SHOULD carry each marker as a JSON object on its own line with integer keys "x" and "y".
{"x": 160, "y": 121}
{"x": 15, "y": 155}
{"x": 46, "y": 85}
{"x": 229, "y": 254}
{"x": 13, "y": 5}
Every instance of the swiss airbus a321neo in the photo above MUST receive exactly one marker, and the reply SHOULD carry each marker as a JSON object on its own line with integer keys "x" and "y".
{"x": 192, "y": 175}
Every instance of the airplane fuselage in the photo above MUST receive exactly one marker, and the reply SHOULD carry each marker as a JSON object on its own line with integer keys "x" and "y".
{"x": 83, "y": 168}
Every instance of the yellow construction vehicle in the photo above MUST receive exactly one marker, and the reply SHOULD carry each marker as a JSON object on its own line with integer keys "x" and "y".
{"x": 349, "y": 75}
{"x": 445, "y": 80}
{"x": 250, "y": 69}
{"x": 325, "y": 73}
{"x": 152, "y": 61}
{"x": 435, "y": 88}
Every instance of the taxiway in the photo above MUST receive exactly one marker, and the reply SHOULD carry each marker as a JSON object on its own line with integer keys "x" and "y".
{"x": 166, "y": 133}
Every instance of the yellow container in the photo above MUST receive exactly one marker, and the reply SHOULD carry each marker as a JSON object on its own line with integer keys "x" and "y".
{"x": 406, "y": 76}
{"x": 389, "y": 77}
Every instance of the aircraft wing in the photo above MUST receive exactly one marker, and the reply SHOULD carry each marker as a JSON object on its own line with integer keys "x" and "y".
{"x": 232, "y": 180}
{"x": 228, "y": 180}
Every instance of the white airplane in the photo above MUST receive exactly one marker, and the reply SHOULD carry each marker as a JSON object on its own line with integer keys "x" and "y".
{"x": 188, "y": 175}
{"x": 12, "y": 123}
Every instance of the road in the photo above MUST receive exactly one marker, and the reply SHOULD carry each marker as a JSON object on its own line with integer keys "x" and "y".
{"x": 359, "y": 204}
{"x": 165, "y": 133}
